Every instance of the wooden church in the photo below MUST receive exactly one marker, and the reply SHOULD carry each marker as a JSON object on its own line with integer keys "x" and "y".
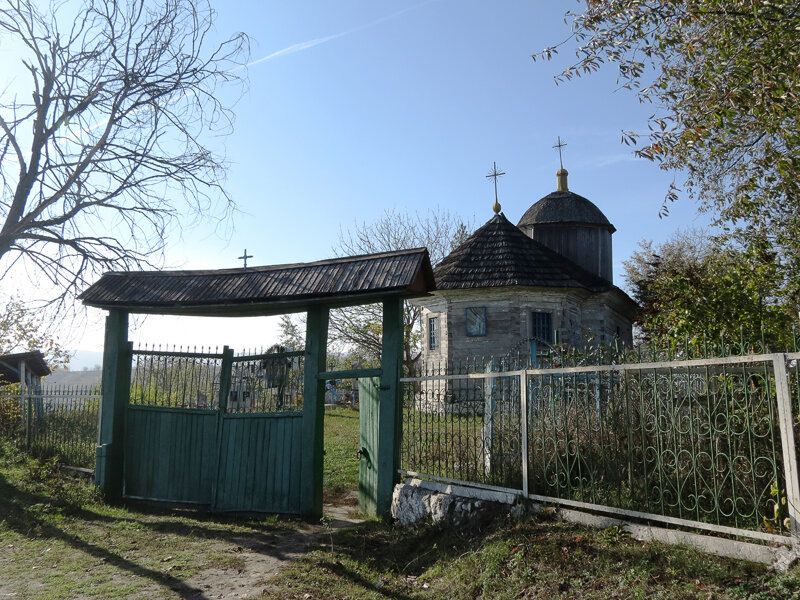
{"x": 515, "y": 290}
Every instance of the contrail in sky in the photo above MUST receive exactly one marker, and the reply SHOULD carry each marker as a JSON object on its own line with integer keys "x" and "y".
{"x": 299, "y": 47}
{"x": 317, "y": 41}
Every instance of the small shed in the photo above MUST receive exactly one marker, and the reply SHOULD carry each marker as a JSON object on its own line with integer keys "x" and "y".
{"x": 25, "y": 368}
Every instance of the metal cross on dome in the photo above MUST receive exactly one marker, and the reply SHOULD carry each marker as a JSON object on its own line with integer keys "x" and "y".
{"x": 560, "y": 145}
{"x": 245, "y": 256}
{"x": 494, "y": 174}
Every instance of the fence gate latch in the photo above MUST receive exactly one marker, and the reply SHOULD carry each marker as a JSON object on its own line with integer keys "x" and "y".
{"x": 362, "y": 452}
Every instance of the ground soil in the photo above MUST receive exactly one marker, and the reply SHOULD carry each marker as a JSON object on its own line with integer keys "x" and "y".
{"x": 262, "y": 556}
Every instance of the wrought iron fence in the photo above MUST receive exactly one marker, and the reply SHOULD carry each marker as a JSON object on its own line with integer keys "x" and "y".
{"x": 176, "y": 378}
{"x": 705, "y": 443}
{"x": 258, "y": 382}
{"x": 463, "y": 427}
{"x": 53, "y": 421}
{"x": 267, "y": 382}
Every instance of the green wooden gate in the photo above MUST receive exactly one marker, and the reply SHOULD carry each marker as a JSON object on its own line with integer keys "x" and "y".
{"x": 368, "y": 404}
{"x": 246, "y": 459}
{"x": 379, "y": 416}
{"x": 182, "y": 443}
{"x": 241, "y": 462}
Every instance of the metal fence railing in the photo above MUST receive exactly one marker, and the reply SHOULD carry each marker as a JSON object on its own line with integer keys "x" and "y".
{"x": 53, "y": 421}
{"x": 175, "y": 378}
{"x": 704, "y": 443}
{"x": 262, "y": 383}
{"x": 259, "y": 382}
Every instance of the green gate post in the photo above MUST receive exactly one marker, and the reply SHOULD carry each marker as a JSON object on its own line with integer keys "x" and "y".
{"x": 389, "y": 406}
{"x": 313, "y": 411}
{"x": 225, "y": 377}
{"x": 116, "y": 393}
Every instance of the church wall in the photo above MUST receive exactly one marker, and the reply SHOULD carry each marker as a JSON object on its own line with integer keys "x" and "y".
{"x": 606, "y": 321}
{"x": 436, "y": 307}
{"x": 575, "y": 314}
{"x": 508, "y": 320}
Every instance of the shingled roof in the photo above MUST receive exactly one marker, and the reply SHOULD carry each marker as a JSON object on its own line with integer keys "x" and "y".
{"x": 266, "y": 290}
{"x": 565, "y": 207}
{"x": 499, "y": 255}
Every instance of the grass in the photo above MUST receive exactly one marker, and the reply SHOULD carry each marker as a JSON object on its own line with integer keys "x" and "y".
{"x": 501, "y": 558}
{"x": 340, "y": 463}
{"x": 59, "y": 540}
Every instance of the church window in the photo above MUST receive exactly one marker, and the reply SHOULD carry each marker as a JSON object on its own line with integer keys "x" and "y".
{"x": 542, "y": 326}
{"x": 476, "y": 321}
{"x": 433, "y": 333}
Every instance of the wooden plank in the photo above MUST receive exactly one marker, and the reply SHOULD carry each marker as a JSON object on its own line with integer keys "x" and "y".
{"x": 236, "y": 465}
{"x": 297, "y": 465}
{"x": 256, "y": 432}
{"x": 252, "y": 434}
{"x": 313, "y": 411}
{"x": 271, "y": 466}
{"x": 282, "y": 474}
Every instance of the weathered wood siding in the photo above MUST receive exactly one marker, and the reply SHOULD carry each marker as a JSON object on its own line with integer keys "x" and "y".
{"x": 246, "y": 462}
{"x": 259, "y": 465}
{"x": 170, "y": 454}
{"x": 589, "y": 247}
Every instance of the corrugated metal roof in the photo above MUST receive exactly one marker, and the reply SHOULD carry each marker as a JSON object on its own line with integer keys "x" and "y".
{"x": 404, "y": 272}
{"x": 500, "y": 255}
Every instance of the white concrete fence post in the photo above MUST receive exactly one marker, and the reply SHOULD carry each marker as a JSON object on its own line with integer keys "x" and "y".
{"x": 790, "y": 468}
{"x": 523, "y": 409}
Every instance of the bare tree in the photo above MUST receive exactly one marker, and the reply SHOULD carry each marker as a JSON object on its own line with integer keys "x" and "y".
{"x": 109, "y": 150}
{"x": 360, "y": 327}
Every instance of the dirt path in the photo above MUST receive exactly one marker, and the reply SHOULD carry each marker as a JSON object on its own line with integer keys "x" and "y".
{"x": 262, "y": 556}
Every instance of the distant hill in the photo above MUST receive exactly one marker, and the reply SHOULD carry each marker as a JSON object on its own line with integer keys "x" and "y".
{"x": 85, "y": 359}
{"x": 74, "y": 378}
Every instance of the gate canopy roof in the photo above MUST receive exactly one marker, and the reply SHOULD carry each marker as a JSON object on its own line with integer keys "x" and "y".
{"x": 266, "y": 290}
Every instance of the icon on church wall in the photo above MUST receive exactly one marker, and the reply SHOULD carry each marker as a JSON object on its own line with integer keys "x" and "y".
{"x": 476, "y": 321}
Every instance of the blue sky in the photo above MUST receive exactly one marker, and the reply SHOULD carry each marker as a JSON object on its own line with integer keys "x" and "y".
{"x": 358, "y": 106}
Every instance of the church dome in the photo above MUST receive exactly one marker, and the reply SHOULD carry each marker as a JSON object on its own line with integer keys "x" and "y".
{"x": 572, "y": 226}
{"x": 564, "y": 207}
